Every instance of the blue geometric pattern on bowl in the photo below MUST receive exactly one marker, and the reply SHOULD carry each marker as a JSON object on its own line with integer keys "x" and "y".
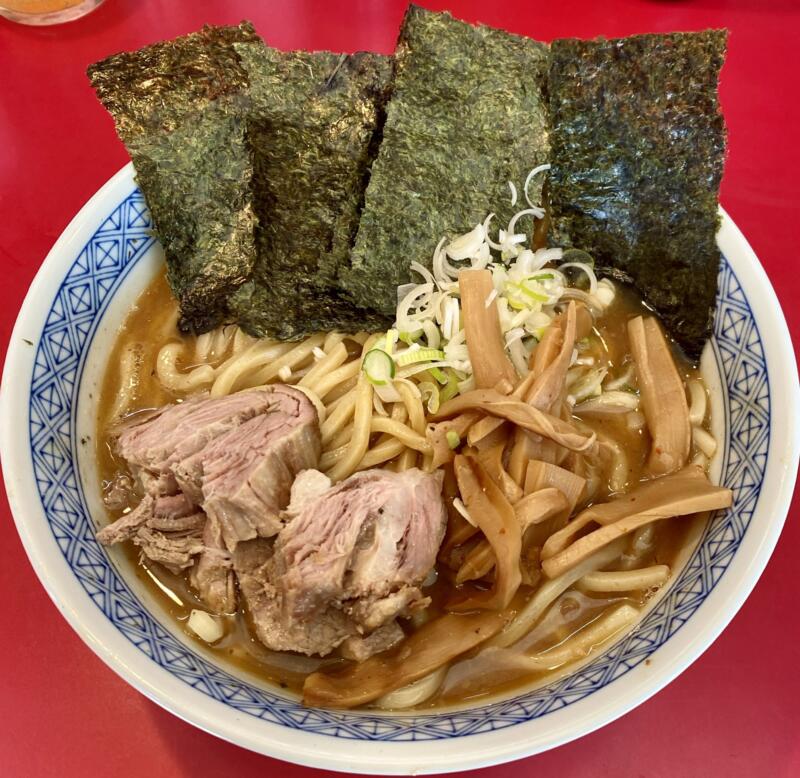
{"x": 74, "y": 315}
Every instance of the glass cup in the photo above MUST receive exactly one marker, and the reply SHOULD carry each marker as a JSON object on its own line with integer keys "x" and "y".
{"x": 46, "y": 11}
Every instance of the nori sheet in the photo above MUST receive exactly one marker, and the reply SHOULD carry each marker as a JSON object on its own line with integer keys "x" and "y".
{"x": 467, "y": 114}
{"x": 638, "y": 150}
{"x": 314, "y": 122}
{"x": 179, "y": 107}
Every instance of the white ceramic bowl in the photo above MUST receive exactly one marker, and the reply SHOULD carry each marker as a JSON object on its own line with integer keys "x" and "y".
{"x": 56, "y": 358}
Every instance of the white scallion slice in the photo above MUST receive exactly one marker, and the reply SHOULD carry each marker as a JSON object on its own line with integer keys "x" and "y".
{"x": 626, "y": 377}
{"x": 205, "y": 626}
{"x": 432, "y": 334}
{"x": 529, "y": 178}
{"x": 424, "y": 367}
{"x": 467, "y": 385}
{"x": 418, "y": 355}
{"x": 587, "y": 270}
{"x": 403, "y": 290}
{"x": 430, "y": 395}
{"x": 466, "y": 245}
{"x": 486, "y": 222}
{"x": 606, "y": 292}
{"x": 518, "y": 355}
{"x": 387, "y": 393}
{"x": 391, "y": 338}
{"x": 379, "y": 367}
{"x": 537, "y": 213}
{"x": 513, "y": 193}
{"x": 410, "y": 337}
{"x": 610, "y": 402}
{"x": 424, "y": 272}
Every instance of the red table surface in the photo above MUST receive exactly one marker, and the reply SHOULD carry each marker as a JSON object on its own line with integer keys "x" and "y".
{"x": 735, "y": 712}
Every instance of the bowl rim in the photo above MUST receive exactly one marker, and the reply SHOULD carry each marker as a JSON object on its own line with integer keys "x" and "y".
{"x": 388, "y": 758}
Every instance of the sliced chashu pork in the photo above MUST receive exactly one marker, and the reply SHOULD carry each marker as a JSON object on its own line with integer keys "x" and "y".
{"x": 174, "y": 532}
{"x": 235, "y": 456}
{"x": 350, "y": 561}
{"x": 223, "y": 467}
{"x": 212, "y": 574}
{"x": 247, "y": 473}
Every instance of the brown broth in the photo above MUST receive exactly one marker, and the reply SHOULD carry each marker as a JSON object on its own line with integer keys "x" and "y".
{"x": 151, "y": 324}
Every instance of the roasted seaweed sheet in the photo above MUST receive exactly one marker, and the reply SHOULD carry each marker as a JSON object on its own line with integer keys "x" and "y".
{"x": 313, "y": 123}
{"x": 467, "y": 115}
{"x": 638, "y": 149}
{"x": 179, "y": 107}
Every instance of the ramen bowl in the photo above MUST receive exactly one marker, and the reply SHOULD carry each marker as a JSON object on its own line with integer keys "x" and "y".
{"x": 56, "y": 359}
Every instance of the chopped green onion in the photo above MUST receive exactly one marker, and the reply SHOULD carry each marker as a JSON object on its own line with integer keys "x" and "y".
{"x": 451, "y": 390}
{"x": 541, "y": 277}
{"x": 439, "y": 375}
{"x": 419, "y": 355}
{"x": 378, "y": 367}
{"x": 391, "y": 339}
{"x": 430, "y": 393}
{"x": 453, "y": 439}
{"x": 540, "y": 298}
{"x": 520, "y": 288}
{"x": 410, "y": 338}
{"x": 534, "y": 295}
